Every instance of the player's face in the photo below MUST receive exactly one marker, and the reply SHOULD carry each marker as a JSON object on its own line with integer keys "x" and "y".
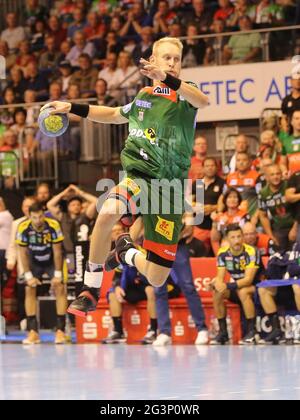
{"x": 235, "y": 240}
{"x": 37, "y": 220}
{"x": 168, "y": 58}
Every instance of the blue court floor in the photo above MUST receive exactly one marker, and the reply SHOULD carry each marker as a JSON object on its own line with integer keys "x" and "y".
{"x": 113, "y": 372}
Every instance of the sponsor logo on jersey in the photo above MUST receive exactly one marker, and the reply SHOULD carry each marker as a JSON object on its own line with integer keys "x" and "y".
{"x": 143, "y": 104}
{"x": 165, "y": 228}
{"x": 148, "y": 134}
{"x": 158, "y": 90}
{"x": 131, "y": 185}
{"x": 144, "y": 154}
{"x": 141, "y": 116}
{"x": 126, "y": 109}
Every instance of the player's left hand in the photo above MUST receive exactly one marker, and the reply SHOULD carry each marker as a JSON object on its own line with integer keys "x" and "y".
{"x": 152, "y": 70}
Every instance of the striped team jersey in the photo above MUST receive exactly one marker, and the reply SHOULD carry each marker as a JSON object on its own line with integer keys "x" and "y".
{"x": 40, "y": 243}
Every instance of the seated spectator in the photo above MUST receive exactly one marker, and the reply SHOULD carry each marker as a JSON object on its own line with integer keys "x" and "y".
{"x": 43, "y": 194}
{"x": 103, "y": 98}
{"x": 275, "y": 213}
{"x": 144, "y": 48}
{"x": 213, "y": 187}
{"x": 73, "y": 92}
{"x": 80, "y": 47}
{"x": 116, "y": 24}
{"x": 50, "y": 58}
{"x": 163, "y": 18}
{"x": 6, "y": 221}
{"x": 78, "y": 25}
{"x": 261, "y": 241}
{"x": 36, "y": 81}
{"x": 127, "y": 75}
{"x": 7, "y": 114}
{"x": 270, "y": 148}
{"x": 10, "y": 58}
{"x": 65, "y": 72}
{"x": 241, "y": 8}
{"x": 193, "y": 49}
{"x": 291, "y": 145}
{"x": 242, "y": 145}
{"x": 24, "y": 56}
{"x": 13, "y": 34}
{"x": 232, "y": 214}
{"x": 95, "y": 28}
{"x": 199, "y": 15}
{"x": 225, "y": 11}
{"x": 10, "y": 142}
{"x": 74, "y": 214}
{"x": 66, "y": 9}
{"x": 65, "y": 48}
{"x": 243, "y": 263}
{"x": 25, "y": 135}
{"x": 268, "y": 13}
{"x": 136, "y": 19}
{"x": 175, "y": 30}
{"x": 56, "y": 31}
{"x": 110, "y": 68}
{"x": 215, "y": 46}
{"x": 261, "y": 181}
{"x": 37, "y": 40}
{"x": 244, "y": 180}
{"x": 55, "y": 92}
{"x": 291, "y": 102}
{"x": 86, "y": 77}
{"x": 34, "y": 11}
{"x": 289, "y": 11}
{"x": 32, "y": 110}
{"x": 17, "y": 83}
{"x": 243, "y": 48}
{"x": 197, "y": 161}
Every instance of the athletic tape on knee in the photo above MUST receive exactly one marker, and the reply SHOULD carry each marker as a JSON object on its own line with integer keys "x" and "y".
{"x": 93, "y": 279}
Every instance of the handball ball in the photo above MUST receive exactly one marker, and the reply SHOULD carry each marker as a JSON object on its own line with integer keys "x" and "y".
{"x": 52, "y": 125}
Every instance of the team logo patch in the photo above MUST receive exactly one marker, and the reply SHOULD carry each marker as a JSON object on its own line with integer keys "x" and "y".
{"x": 150, "y": 135}
{"x": 165, "y": 228}
{"x": 132, "y": 186}
{"x": 158, "y": 90}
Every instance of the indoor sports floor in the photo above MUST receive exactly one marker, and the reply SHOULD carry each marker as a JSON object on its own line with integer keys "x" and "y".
{"x": 99, "y": 372}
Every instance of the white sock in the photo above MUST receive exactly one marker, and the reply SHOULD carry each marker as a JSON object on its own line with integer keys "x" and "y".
{"x": 130, "y": 255}
{"x": 93, "y": 279}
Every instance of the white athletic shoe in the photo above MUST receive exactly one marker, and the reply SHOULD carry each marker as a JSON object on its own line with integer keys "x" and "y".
{"x": 202, "y": 338}
{"x": 162, "y": 340}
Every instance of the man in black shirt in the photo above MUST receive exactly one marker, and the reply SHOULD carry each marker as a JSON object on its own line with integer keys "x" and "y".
{"x": 213, "y": 187}
{"x": 291, "y": 102}
{"x": 292, "y": 196}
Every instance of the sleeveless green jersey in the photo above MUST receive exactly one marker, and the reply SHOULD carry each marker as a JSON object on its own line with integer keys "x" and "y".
{"x": 161, "y": 134}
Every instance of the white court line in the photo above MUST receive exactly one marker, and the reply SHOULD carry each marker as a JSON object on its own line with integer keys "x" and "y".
{"x": 168, "y": 398}
{"x": 270, "y": 390}
{"x": 202, "y": 395}
{"x": 237, "y": 392}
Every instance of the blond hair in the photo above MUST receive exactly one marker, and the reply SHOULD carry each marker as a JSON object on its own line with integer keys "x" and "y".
{"x": 167, "y": 39}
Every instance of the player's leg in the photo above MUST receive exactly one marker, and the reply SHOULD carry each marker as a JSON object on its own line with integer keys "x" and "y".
{"x": 296, "y": 290}
{"x": 30, "y": 309}
{"x": 267, "y": 299}
{"x": 151, "y": 309}
{"x": 61, "y": 309}
{"x": 110, "y": 214}
{"x": 115, "y": 308}
{"x": 246, "y": 295}
{"x": 221, "y": 314}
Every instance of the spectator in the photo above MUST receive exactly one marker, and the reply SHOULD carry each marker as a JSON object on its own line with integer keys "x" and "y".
{"x": 43, "y": 194}
{"x": 86, "y": 77}
{"x": 213, "y": 186}
{"x": 200, "y": 150}
{"x": 242, "y": 145}
{"x": 274, "y": 212}
{"x": 175, "y": 30}
{"x": 215, "y": 46}
{"x": 74, "y": 215}
{"x": 110, "y": 68}
{"x": 56, "y": 31}
{"x": 243, "y": 263}
{"x": 78, "y": 25}
{"x": 65, "y": 10}
{"x": 40, "y": 245}
{"x": 268, "y": 13}
{"x": 101, "y": 93}
{"x": 225, "y": 11}
{"x": 241, "y": 8}
{"x": 270, "y": 148}
{"x": 55, "y": 92}
{"x": 292, "y": 195}
{"x": 243, "y": 48}
{"x": 232, "y": 214}
{"x": 163, "y": 18}
{"x": 95, "y": 28}
{"x": 32, "y": 110}
{"x": 144, "y": 48}
{"x": 37, "y": 40}
{"x": 50, "y": 58}
{"x": 10, "y": 142}
{"x": 19, "y": 127}
{"x": 65, "y": 71}
{"x": 17, "y": 83}
{"x": 33, "y": 11}
{"x": 14, "y": 34}
{"x": 73, "y": 92}
{"x": 10, "y": 58}
{"x": 6, "y": 115}
{"x": 199, "y": 15}
{"x": 113, "y": 43}
{"x": 80, "y": 47}
{"x": 6, "y": 220}
{"x": 36, "y": 81}
{"x": 261, "y": 181}
{"x": 127, "y": 75}
{"x": 137, "y": 18}
{"x": 193, "y": 49}
{"x": 65, "y": 48}
{"x": 116, "y": 24}
{"x": 244, "y": 180}
{"x": 261, "y": 241}
{"x": 24, "y": 57}
{"x": 291, "y": 145}
{"x": 291, "y": 102}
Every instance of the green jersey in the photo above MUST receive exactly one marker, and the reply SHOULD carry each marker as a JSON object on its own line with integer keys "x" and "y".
{"x": 291, "y": 149}
{"x": 161, "y": 134}
{"x": 275, "y": 205}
